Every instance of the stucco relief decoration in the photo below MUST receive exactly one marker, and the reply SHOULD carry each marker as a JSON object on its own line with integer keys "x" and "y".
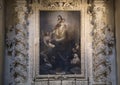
{"x": 64, "y": 4}
{"x": 17, "y": 45}
{"x": 103, "y": 42}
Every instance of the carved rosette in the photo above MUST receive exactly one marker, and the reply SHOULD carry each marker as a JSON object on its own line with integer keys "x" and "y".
{"x": 103, "y": 42}
{"x": 17, "y": 45}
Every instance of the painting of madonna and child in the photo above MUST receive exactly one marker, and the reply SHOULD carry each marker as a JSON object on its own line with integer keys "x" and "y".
{"x": 60, "y": 43}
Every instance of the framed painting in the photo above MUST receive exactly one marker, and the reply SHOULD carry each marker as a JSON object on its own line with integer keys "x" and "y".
{"x": 60, "y": 43}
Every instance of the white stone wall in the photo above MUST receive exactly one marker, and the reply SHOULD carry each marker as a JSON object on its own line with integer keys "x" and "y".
{"x": 117, "y": 25}
{"x": 1, "y": 39}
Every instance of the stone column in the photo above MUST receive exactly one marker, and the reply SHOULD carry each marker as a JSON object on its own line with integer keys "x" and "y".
{"x": 1, "y": 39}
{"x": 16, "y": 42}
{"x": 103, "y": 43}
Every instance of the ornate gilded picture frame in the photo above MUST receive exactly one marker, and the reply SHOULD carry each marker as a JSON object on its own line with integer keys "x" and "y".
{"x": 60, "y": 47}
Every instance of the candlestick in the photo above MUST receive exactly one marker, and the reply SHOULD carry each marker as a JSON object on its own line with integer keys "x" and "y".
{"x": 48, "y": 76}
{"x": 75, "y": 78}
{"x": 48, "y": 80}
{"x": 61, "y": 81}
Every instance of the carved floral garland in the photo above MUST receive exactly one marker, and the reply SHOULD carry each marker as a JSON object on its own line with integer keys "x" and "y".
{"x": 103, "y": 41}
{"x": 17, "y": 46}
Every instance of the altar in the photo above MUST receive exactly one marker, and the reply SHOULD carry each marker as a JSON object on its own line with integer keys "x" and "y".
{"x": 61, "y": 42}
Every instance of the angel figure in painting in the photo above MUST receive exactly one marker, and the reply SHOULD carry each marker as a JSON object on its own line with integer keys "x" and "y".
{"x": 47, "y": 40}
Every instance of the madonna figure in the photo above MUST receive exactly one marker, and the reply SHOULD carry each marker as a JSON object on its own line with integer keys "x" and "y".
{"x": 60, "y": 29}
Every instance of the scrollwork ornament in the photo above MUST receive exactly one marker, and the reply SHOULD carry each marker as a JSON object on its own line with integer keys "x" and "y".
{"x": 17, "y": 45}
{"x": 60, "y": 4}
{"x": 103, "y": 42}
